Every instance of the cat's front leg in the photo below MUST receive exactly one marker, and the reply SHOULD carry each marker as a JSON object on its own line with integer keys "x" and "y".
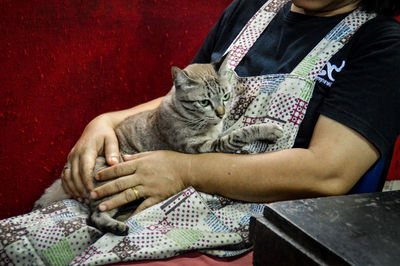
{"x": 264, "y": 132}
{"x": 235, "y": 140}
{"x": 106, "y": 223}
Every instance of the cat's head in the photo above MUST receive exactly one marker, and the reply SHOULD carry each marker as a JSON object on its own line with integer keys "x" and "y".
{"x": 204, "y": 91}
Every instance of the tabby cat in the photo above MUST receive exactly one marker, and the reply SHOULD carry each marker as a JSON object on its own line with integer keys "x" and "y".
{"x": 188, "y": 120}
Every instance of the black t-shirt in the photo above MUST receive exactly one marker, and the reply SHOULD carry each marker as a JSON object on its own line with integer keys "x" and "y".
{"x": 360, "y": 85}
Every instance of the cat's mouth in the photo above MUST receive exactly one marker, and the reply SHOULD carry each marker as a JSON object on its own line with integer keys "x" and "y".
{"x": 214, "y": 121}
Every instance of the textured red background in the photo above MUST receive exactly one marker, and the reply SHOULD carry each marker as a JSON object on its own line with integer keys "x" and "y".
{"x": 65, "y": 62}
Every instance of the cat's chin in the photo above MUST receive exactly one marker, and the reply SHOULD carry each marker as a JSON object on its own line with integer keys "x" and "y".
{"x": 217, "y": 125}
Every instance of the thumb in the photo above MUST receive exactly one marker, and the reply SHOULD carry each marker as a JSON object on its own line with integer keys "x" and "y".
{"x": 111, "y": 149}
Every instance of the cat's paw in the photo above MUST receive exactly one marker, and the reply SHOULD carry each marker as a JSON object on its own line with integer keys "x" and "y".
{"x": 105, "y": 223}
{"x": 37, "y": 206}
{"x": 273, "y": 133}
{"x": 119, "y": 229}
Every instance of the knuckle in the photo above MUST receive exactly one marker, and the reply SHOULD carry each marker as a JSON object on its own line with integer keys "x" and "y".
{"x": 119, "y": 185}
{"x": 71, "y": 154}
{"x": 129, "y": 195}
{"x": 66, "y": 178}
{"x": 116, "y": 171}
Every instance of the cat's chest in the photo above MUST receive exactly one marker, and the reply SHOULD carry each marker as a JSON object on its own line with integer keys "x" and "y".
{"x": 214, "y": 132}
{"x": 207, "y": 135}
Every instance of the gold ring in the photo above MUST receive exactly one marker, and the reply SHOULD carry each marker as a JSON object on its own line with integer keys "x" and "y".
{"x": 136, "y": 193}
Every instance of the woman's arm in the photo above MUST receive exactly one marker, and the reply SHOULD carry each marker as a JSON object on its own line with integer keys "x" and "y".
{"x": 335, "y": 160}
{"x": 97, "y": 138}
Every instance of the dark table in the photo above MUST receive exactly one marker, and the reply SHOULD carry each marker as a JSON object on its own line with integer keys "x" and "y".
{"x": 361, "y": 229}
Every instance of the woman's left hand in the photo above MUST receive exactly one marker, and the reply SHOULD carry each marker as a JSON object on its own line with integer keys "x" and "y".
{"x": 155, "y": 175}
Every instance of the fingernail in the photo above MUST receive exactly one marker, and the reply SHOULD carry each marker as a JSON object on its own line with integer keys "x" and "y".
{"x": 93, "y": 195}
{"x": 114, "y": 159}
{"x": 102, "y": 207}
{"x": 80, "y": 200}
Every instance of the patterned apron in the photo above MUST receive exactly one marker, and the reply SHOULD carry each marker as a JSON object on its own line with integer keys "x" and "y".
{"x": 281, "y": 99}
{"x": 190, "y": 220}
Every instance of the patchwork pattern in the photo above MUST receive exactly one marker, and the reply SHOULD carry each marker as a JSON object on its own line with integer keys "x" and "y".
{"x": 47, "y": 236}
{"x": 10, "y": 233}
{"x": 89, "y": 253}
{"x": 163, "y": 226}
{"x": 4, "y": 259}
{"x": 184, "y": 238}
{"x": 59, "y": 207}
{"x": 282, "y": 98}
{"x": 298, "y": 112}
{"x": 125, "y": 248}
{"x": 70, "y": 226}
{"x": 59, "y": 235}
{"x": 239, "y": 107}
{"x": 59, "y": 254}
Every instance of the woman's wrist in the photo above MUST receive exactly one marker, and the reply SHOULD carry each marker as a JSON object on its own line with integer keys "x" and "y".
{"x": 186, "y": 173}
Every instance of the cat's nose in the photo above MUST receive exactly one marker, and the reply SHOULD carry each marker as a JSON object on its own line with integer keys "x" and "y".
{"x": 220, "y": 111}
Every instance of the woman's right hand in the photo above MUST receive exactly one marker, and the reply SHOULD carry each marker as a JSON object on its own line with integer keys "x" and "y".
{"x": 97, "y": 138}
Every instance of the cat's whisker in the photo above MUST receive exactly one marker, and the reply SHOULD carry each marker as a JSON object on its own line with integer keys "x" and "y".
{"x": 194, "y": 123}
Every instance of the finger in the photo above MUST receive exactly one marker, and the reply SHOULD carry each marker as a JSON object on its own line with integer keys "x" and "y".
{"x": 121, "y": 169}
{"x": 113, "y": 187}
{"x": 86, "y": 167}
{"x": 66, "y": 179}
{"x": 126, "y": 196}
{"x": 130, "y": 157}
{"x": 65, "y": 188}
{"x": 78, "y": 190}
{"x": 147, "y": 203}
{"x": 111, "y": 150}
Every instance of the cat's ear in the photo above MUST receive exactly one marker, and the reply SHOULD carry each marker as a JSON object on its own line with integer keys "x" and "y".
{"x": 221, "y": 66}
{"x": 175, "y": 71}
{"x": 180, "y": 77}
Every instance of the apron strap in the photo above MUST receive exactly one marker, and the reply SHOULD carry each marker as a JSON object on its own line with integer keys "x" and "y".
{"x": 252, "y": 30}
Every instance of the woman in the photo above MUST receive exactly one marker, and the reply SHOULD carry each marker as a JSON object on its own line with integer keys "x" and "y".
{"x": 351, "y": 119}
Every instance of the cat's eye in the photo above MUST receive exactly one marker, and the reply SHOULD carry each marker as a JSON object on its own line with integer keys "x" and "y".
{"x": 226, "y": 97}
{"x": 204, "y": 103}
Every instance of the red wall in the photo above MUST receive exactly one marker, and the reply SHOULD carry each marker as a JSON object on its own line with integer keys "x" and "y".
{"x": 64, "y": 62}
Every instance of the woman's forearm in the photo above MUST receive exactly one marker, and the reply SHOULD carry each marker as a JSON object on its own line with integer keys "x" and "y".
{"x": 259, "y": 177}
{"x": 118, "y": 116}
{"x": 332, "y": 164}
